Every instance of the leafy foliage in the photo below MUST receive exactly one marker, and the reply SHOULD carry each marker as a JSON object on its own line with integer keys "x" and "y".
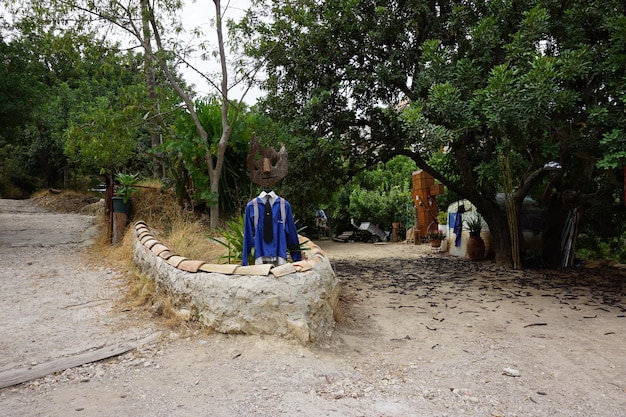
{"x": 127, "y": 184}
{"x": 232, "y": 240}
{"x": 381, "y": 195}
{"x": 186, "y": 153}
{"x": 457, "y": 85}
{"x": 474, "y": 224}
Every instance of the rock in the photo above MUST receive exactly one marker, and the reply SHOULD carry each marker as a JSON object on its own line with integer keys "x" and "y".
{"x": 184, "y": 314}
{"x": 511, "y": 372}
{"x": 298, "y": 305}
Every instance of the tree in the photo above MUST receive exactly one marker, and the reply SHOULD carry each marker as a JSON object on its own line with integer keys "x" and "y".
{"x": 18, "y": 93}
{"x": 105, "y": 129}
{"x": 381, "y": 195}
{"x": 187, "y": 151}
{"x": 154, "y": 26}
{"x": 497, "y": 90}
{"x": 306, "y": 185}
{"x": 73, "y": 73}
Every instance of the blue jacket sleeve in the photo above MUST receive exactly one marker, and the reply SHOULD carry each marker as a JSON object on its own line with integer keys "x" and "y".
{"x": 248, "y": 233}
{"x": 293, "y": 242}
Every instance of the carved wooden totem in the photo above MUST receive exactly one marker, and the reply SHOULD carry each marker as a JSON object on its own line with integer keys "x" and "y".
{"x": 266, "y": 166}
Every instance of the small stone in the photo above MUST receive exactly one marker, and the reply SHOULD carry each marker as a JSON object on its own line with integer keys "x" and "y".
{"x": 184, "y": 314}
{"x": 511, "y": 372}
{"x": 338, "y": 394}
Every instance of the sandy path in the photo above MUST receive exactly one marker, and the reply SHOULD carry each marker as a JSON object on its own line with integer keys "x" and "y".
{"x": 422, "y": 334}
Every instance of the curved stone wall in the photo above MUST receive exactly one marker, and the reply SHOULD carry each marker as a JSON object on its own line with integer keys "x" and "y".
{"x": 296, "y": 300}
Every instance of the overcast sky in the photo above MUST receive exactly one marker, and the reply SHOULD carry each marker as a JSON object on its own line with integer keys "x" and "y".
{"x": 201, "y": 13}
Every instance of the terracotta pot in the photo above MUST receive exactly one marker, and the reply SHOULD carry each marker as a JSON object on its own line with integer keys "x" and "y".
{"x": 435, "y": 243}
{"x": 475, "y": 248}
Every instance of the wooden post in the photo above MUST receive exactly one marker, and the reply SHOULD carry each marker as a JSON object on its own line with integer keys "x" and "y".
{"x": 108, "y": 208}
{"x": 423, "y": 191}
{"x": 119, "y": 227}
{"x": 416, "y": 230}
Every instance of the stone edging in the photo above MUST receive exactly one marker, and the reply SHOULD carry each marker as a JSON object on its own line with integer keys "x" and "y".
{"x": 144, "y": 235}
{"x": 296, "y": 300}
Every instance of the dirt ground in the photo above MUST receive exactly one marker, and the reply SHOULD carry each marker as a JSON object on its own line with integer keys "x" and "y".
{"x": 420, "y": 334}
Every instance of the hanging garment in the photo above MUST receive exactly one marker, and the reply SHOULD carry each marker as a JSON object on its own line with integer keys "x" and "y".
{"x": 285, "y": 234}
{"x": 458, "y": 227}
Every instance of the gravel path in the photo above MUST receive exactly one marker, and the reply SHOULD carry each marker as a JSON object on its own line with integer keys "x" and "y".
{"x": 421, "y": 334}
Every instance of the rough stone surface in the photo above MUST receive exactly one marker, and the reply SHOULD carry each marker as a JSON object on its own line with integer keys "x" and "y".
{"x": 299, "y": 305}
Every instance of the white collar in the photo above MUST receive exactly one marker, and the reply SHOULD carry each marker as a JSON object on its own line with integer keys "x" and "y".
{"x": 272, "y": 195}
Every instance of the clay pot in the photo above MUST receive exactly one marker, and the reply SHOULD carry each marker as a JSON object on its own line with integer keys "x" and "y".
{"x": 475, "y": 248}
{"x": 435, "y": 243}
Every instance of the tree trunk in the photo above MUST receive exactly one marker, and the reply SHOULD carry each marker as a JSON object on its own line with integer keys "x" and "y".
{"x": 501, "y": 243}
{"x": 214, "y": 210}
{"x": 500, "y": 238}
{"x": 155, "y": 137}
{"x": 553, "y": 216}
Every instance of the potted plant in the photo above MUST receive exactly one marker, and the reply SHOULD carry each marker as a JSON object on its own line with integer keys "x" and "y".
{"x": 475, "y": 244}
{"x": 436, "y": 238}
{"x": 442, "y": 218}
{"x": 474, "y": 225}
{"x": 125, "y": 191}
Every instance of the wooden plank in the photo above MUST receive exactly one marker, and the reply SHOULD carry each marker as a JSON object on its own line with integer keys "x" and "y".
{"x": 21, "y": 375}
{"x": 119, "y": 226}
{"x": 436, "y": 189}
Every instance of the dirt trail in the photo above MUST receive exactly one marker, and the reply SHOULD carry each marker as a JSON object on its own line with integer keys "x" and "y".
{"x": 421, "y": 334}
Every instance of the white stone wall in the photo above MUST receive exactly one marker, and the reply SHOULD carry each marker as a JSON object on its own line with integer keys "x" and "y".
{"x": 299, "y": 305}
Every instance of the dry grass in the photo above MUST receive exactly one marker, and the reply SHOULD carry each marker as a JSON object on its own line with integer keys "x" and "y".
{"x": 68, "y": 201}
{"x": 141, "y": 290}
{"x": 189, "y": 239}
{"x": 157, "y": 207}
{"x": 182, "y": 231}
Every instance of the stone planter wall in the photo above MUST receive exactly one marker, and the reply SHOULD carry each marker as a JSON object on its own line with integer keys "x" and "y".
{"x": 295, "y": 301}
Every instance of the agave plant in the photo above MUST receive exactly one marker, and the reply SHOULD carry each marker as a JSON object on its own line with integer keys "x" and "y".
{"x": 232, "y": 239}
{"x": 127, "y": 184}
{"x": 474, "y": 225}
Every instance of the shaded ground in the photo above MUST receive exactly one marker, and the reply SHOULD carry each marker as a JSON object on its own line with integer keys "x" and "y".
{"x": 421, "y": 334}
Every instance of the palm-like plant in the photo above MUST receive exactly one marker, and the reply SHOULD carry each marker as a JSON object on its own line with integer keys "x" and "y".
{"x": 127, "y": 184}
{"x": 232, "y": 239}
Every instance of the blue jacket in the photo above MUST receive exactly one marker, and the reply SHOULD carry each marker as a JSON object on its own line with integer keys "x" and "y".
{"x": 285, "y": 233}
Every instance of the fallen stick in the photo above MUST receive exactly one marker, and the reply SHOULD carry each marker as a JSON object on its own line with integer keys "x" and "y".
{"x": 21, "y": 375}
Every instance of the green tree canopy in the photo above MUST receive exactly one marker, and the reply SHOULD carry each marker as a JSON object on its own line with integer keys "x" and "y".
{"x": 499, "y": 89}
